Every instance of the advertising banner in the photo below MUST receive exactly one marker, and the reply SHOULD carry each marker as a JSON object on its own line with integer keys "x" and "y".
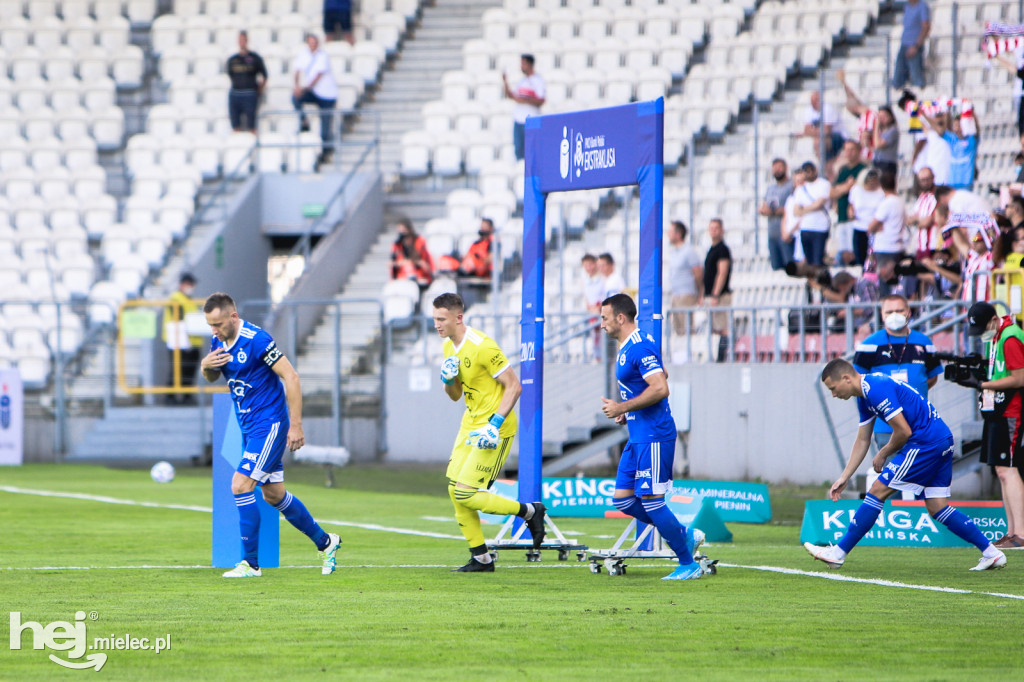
{"x": 902, "y": 523}
{"x": 12, "y": 418}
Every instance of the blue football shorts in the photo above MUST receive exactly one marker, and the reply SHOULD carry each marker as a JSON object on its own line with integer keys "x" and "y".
{"x": 915, "y": 470}
{"x": 263, "y": 453}
{"x": 646, "y": 468}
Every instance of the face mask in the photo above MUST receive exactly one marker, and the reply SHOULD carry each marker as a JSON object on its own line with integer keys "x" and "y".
{"x": 780, "y": 176}
{"x": 988, "y": 336}
{"x": 895, "y": 322}
{"x": 484, "y": 235}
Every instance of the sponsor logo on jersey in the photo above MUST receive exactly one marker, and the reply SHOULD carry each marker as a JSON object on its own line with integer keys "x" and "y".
{"x": 884, "y": 406}
{"x": 643, "y": 473}
{"x": 238, "y": 387}
{"x": 251, "y": 456}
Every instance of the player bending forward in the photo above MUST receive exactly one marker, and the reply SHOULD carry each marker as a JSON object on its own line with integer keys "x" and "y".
{"x": 266, "y": 392}
{"x": 645, "y": 468}
{"x": 923, "y": 449}
{"x": 475, "y": 367}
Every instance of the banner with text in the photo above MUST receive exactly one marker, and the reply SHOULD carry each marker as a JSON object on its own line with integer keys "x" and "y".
{"x": 901, "y": 523}
{"x": 734, "y": 501}
{"x": 12, "y": 421}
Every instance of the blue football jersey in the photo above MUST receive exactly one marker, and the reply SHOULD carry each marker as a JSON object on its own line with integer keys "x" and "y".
{"x": 886, "y": 397}
{"x": 638, "y": 359}
{"x": 255, "y": 388}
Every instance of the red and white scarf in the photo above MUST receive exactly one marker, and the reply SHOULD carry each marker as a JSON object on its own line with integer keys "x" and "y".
{"x": 1002, "y": 37}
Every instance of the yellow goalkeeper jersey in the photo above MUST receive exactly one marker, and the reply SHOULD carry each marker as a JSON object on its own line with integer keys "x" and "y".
{"x": 480, "y": 363}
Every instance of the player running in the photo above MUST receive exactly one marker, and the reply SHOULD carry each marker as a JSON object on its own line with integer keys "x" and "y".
{"x": 475, "y": 367}
{"x": 268, "y": 403}
{"x": 923, "y": 449}
{"x": 645, "y": 468}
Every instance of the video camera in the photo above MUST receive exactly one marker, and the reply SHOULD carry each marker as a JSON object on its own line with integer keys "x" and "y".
{"x": 961, "y": 367}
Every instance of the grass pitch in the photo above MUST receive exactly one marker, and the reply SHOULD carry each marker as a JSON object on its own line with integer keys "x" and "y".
{"x": 394, "y": 611}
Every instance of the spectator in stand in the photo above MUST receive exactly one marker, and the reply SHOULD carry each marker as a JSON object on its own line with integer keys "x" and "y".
{"x": 314, "y": 83}
{"x": 818, "y": 114}
{"x": 1013, "y": 189}
{"x": 685, "y": 277}
{"x": 943, "y": 280}
{"x": 338, "y": 18}
{"x": 1015, "y": 212}
{"x": 966, "y": 209}
{"x": 248, "y": 76}
{"x": 409, "y": 256}
{"x": 865, "y": 196}
{"x": 1008, "y": 250}
{"x": 478, "y": 258}
{"x": 929, "y": 238}
{"x": 879, "y": 134}
{"x": 1012, "y": 63}
{"x": 910, "y": 59}
{"x": 612, "y": 282}
{"x": 839, "y": 291}
{"x": 780, "y": 251}
{"x": 888, "y": 226}
{"x": 717, "y": 271}
{"x": 790, "y": 227}
{"x": 593, "y": 284}
{"x": 849, "y": 169}
{"x": 963, "y": 156}
{"x": 932, "y": 149}
{"x": 529, "y": 97}
{"x": 812, "y": 207}
{"x": 974, "y": 249}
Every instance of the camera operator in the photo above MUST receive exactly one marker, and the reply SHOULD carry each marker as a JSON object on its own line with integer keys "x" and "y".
{"x": 900, "y": 353}
{"x": 1001, "y": 409}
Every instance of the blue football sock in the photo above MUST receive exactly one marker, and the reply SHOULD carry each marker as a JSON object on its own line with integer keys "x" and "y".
{"x": 865, "y": 517}
{"x": 963, "y": 526}
{"x": 633, "y": 507}
{"x": 673, "y": 532}
{"x": 299, "y": 516}
{"x": 249, "y": 526}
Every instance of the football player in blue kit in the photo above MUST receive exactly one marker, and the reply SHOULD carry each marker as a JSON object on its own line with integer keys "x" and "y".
{"x": 645, "y": 468}
{"x": 921, "y": 447}
{"x": 268, "y": 403}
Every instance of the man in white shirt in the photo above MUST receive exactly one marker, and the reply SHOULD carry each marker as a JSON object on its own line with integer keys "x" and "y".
{"x": 888, "y": 227}
{"x": 613, "y": 282}
{"x": 933, "y": 151}
{"x": 685, "y": 276}
{"x": 529, "y": 96}
{"x": 315, "y": 84}
{"x": 812, "y": 204}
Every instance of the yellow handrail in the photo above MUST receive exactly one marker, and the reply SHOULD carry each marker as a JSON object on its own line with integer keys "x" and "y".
{"x": 176, "y": 387}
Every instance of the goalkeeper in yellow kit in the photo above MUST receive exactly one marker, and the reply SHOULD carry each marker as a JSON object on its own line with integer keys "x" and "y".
{"x": 476, "y": 368}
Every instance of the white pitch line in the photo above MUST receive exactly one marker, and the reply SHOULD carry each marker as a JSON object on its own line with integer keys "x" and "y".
{"x": 209, "y": 510}
{"x": 869, "y": 581}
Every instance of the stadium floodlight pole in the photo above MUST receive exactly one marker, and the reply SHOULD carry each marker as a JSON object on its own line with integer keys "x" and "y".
{"x": 592, "y": 149}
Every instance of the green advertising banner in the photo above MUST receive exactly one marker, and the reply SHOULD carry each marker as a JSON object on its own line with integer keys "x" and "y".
{"x": 902, "y": 523}
{"x": 734, "y": 501}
